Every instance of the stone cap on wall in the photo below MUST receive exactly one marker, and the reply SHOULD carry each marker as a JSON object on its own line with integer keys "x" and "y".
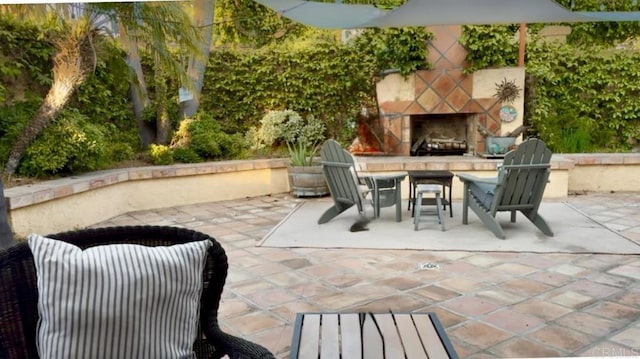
{"x": 30, "y": 194}
{"x": 444, "y": 163}
{"x": 586, "y": 159}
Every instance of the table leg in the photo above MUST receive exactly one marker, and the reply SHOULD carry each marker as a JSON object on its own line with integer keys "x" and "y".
{"x": 450, "y": 201}
{"x": 398, "y": 201}
{"x": 440, "y": 214}
{"x": 465, "y": 203}
{"x": 411, "y": 194}
{"x": 376, "y": 203}
{"x": 375, "y": 194}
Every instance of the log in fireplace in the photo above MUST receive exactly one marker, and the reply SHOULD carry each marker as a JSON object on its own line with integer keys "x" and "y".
{"x": 438, "y": 147}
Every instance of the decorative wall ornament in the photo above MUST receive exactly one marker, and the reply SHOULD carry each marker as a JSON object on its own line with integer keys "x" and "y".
{"x": 508, "y": 113}
{"x": 507, "y": 91}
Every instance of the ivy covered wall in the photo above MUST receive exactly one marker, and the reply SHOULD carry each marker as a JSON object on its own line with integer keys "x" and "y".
{"x": 580, "y": 96}
{"x": 329, "y": 80}
{"x": 584, "y": 101}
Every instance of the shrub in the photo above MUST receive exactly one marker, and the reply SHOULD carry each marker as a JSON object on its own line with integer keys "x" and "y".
{"x": 161, "y": 154}
{"x": 270, "y": 132}
{"x": 120, "y": 151}
{"x": 204, "y": 136}
{"x": 203, "y": 139}
{"x": 186, "y": 155}
{"x": 301, "y": 136}
{"x": 233, "y": 146}
{"x": 13, "y": 120}
{"x": 48, "y": 154}
{"x": 69, "y": 145}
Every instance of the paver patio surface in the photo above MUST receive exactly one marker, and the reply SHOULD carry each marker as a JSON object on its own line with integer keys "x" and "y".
{"x": 492, "y": 304}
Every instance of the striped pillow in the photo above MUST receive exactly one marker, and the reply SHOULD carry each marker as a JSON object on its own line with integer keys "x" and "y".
{"x": 119, "y": 300}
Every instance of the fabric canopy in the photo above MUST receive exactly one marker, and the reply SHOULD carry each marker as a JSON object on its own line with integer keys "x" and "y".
{"x": 324, "y": 15}
{"x": 437, "y": 12}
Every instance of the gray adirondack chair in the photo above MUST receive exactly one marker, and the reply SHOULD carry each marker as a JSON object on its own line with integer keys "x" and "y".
{"x": 344, "y": 185}
{"x": 519, "y": 186}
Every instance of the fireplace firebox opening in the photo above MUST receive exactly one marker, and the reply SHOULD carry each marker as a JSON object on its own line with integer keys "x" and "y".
{"x": 442, "y": 134}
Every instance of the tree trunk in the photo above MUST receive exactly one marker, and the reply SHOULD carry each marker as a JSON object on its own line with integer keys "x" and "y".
{"x": 163, "y": 125}
{"x": 6, "y": 235}
{"x": 146, "y": 130}
{"x": 203, "y": 18}
{"x": 138, "y": 92}
{"x": 163, "y": 122}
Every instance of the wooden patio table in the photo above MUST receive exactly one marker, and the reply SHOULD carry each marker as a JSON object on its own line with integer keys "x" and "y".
{"x": 369, "y": 336}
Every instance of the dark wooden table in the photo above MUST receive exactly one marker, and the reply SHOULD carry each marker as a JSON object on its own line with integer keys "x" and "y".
{"x": 369, "y": 336}
{"x": 444, "y": 178}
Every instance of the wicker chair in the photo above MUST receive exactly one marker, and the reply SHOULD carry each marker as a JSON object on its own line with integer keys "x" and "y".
{"x": 19, "y": 295}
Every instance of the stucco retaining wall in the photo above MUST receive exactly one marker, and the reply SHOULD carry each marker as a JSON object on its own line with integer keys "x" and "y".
{"x": 64, "y": 204}
{"x": 79, "y": 201}
{"x": 618, "y": 172}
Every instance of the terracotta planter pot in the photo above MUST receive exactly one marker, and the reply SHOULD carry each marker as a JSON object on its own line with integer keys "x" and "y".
{"x": 307, "y": 181}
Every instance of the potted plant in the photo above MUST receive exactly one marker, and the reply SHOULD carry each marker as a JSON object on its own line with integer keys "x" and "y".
{"x": 302, "y": 137}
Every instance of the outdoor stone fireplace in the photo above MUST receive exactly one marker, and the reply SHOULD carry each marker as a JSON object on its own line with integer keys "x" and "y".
{"x": 438, "y": 111}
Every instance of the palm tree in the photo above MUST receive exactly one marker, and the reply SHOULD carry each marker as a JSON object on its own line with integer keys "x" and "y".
{"x": 74, "y": 59}
{"x": 156, "y": 28}
{"x": 153, "y": 25}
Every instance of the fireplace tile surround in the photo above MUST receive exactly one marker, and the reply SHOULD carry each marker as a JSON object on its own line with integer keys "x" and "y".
{"x": 444, "y": 91}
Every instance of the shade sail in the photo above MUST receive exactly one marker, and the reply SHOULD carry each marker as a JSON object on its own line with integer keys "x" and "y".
{"x": 324, "y": 15}
{"x": 437, "y": 12}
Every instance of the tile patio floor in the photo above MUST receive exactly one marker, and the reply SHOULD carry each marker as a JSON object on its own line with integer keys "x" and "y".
{"x": 492, "y": 305}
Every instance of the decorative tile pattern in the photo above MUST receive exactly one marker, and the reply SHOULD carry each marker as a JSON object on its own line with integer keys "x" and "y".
{"x": 442, "y": 90}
